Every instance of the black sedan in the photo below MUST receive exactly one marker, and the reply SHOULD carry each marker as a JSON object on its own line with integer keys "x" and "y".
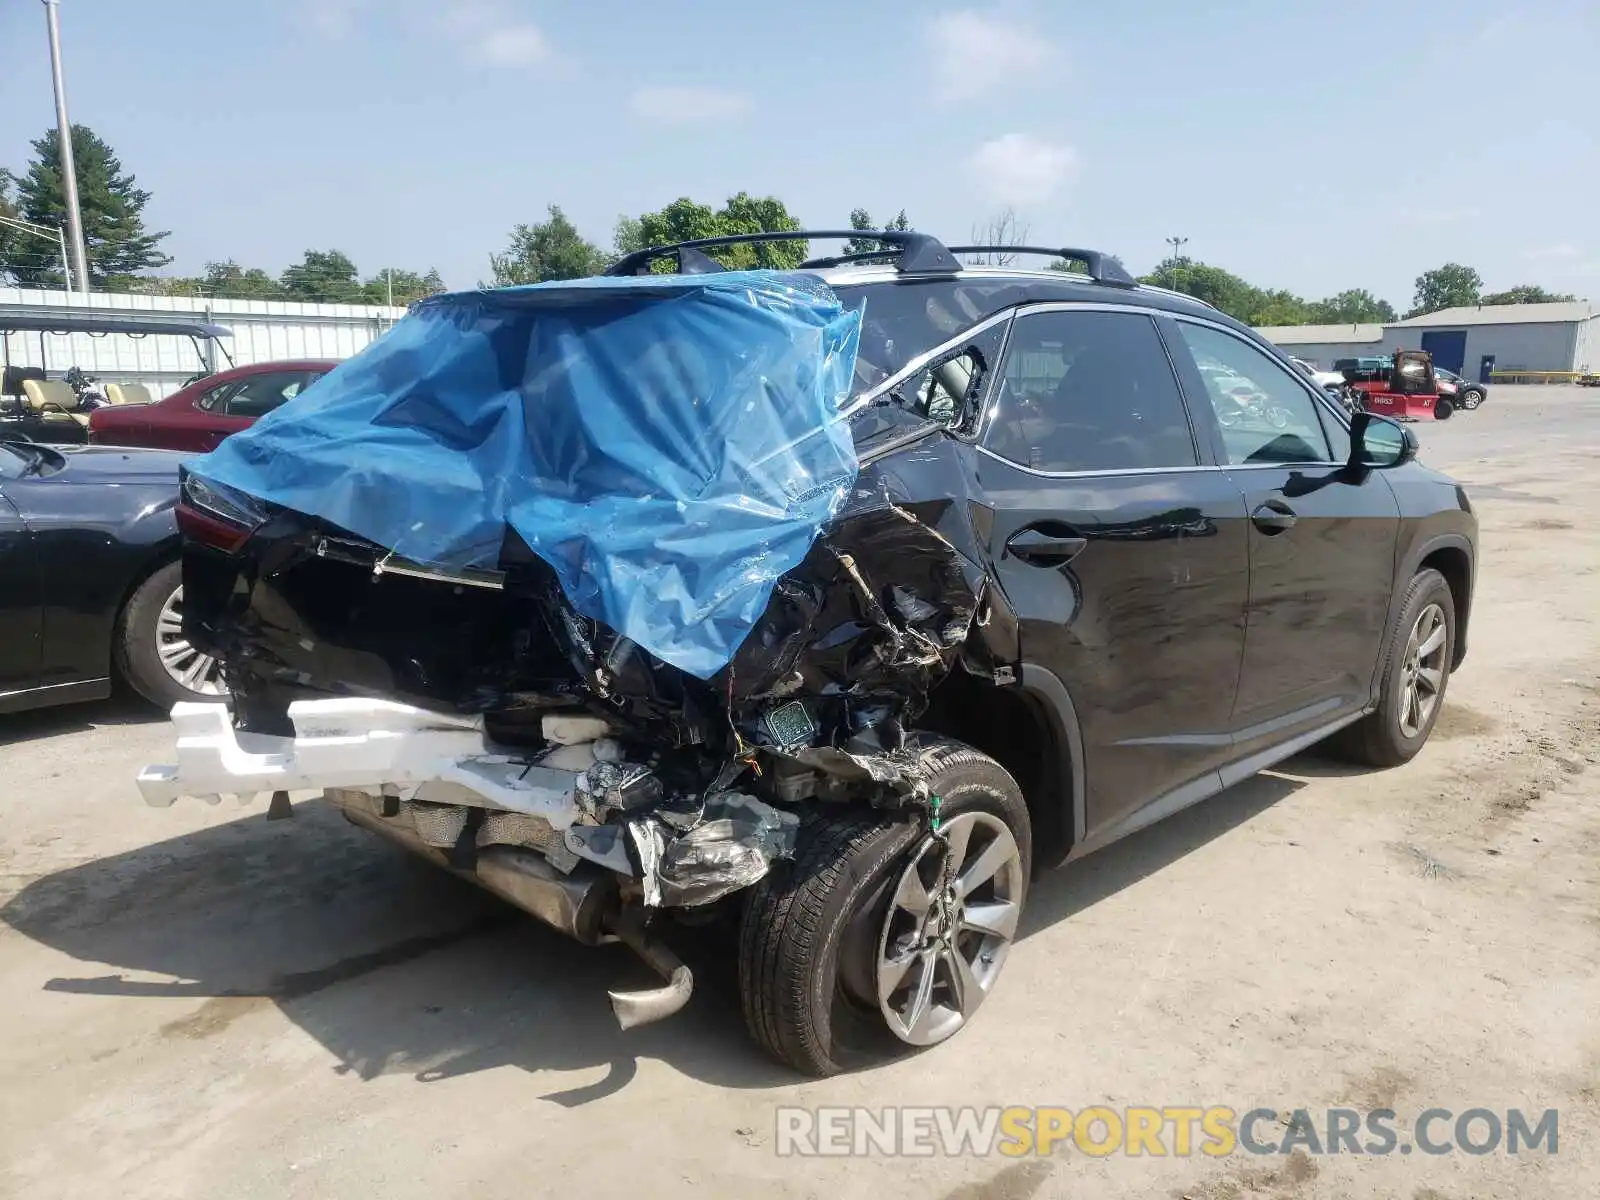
{"x": 90, "y": 584}
{"x": 1464, "y": 394}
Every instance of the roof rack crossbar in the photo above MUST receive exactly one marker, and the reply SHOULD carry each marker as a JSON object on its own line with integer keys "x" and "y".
{"x": 1101, "y": 267}
{"x": 920, "y": 253}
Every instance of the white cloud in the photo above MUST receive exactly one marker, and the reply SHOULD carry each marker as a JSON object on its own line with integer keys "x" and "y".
{"x": 512, "y": 46}
{"x": 1021, "y": 169}
{"x": 1436, "y": 216}
{"x": 974, "y": 52}
{"x": 332, "y": 19}
{"x": 492, "y": 34}
{"x": 1556, "y": 253}
{"x": 689, "y": 103}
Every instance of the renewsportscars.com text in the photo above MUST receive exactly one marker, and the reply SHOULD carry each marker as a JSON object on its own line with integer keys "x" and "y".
{"x": 1178, "y": 1130}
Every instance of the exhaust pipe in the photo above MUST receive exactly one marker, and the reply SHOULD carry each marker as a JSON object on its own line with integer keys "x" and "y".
{"x": 579, "y": 905}
{"x": 649, "y": 1004}
{"x": 572, "y": 904}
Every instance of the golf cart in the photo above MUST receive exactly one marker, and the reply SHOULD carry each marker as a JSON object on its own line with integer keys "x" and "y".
{"x": 34, "y": 407}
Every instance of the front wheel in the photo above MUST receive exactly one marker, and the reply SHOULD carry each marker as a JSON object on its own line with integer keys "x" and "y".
{"x": 880, "y": 935}
{"x": 1443, "y": 409}
{"x": 153, "y": 655}
{"x": 1471, "y": 398}
{"x": 1415, "y": 674}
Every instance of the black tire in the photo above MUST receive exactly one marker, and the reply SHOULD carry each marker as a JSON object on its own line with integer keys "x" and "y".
{"x": 1471, "y": 398}
{"x": 1443, "y": 409}
{"x": 134, "y": 648}
{"x": 1378, "y": 740}
{"x": 805, "y": 926}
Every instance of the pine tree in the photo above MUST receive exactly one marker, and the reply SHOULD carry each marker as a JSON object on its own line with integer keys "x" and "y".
{"x": 115, "y": 239}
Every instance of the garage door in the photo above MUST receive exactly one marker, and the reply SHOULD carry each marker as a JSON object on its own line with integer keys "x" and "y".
{"x": 1448, "y": 347}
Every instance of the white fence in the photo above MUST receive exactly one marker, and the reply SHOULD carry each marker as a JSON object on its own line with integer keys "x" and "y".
{"x": 263, "y": 331}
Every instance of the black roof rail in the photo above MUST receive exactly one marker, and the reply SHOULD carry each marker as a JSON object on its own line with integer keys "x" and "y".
{"x": 919, "y": 253}
{"x": 1102, "y": 268}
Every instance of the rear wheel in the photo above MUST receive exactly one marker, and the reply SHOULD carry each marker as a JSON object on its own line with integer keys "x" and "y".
{"x": 1415, "y": 675}
{"x": 152, "y": 653}
{"x": 1443, "y": 409}
{"x": 880, "y": 936}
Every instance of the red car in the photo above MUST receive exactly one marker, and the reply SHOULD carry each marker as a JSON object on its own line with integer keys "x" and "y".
{"x": 208, "y": 410}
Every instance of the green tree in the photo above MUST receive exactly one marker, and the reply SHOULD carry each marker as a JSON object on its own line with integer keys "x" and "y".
{"x": 550, "y": 249}
{"x": 116, "y": 242}
{"x": 231, "y": 281}
{"x": 406, "y": 287}
{"x": 1449, "y": 286}
{"x": 1526, "y": 293}
{"x": 325, "y": 277}
{"x": 860, "y": 218}
{"x": 685, "y": 220}
{"x": 1356, "y": 306}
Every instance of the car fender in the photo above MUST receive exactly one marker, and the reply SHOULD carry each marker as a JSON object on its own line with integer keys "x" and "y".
{"x": 1046, "y": 687}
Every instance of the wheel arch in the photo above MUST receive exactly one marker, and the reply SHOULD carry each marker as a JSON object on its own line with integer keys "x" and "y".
{"x": 157, "y": 555}
{"x": 1451, "y": 556}
{"x": 1032, "y": 731}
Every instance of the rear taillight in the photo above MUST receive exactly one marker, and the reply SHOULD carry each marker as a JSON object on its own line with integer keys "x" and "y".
{"x": 215, "y": 515}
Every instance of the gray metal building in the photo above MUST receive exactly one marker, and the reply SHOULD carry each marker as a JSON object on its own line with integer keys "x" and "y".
{"x": 1469, "y": 341}
{"x": 1320, "y": 345}
{"x": 1516, "y": 337}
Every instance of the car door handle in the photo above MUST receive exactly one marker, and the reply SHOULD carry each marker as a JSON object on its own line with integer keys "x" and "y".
{"x": 1047, "y": 548}
{"x": 1273, "y": 517}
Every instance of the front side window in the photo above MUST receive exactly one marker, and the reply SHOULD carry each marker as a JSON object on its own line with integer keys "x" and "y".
{"x": 1089, "y": 391}
{"x": 1265, "y": 413}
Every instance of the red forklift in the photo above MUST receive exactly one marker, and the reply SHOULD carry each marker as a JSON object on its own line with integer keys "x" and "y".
{"x": 1402, "y": 386}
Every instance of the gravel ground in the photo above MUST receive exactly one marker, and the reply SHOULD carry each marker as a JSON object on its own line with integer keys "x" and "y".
{"x": 201, "y": 1003}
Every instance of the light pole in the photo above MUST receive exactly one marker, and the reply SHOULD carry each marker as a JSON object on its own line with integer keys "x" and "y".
{"x": 69, "y": 169}
{"x": 1177, "y": 244}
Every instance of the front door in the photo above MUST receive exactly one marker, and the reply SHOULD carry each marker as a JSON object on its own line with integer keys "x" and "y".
{"x": 1321, "y": 540}
{"x": 20, "y": 614}
{"x": 1122, "y": 555}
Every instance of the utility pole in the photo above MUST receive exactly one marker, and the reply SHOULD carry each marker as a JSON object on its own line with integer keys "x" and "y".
{"x": 69, "y": 169}
{"x": 1177, "y": 244}
{"x": 56, "y": 235}
{"x": 389, "y": 274}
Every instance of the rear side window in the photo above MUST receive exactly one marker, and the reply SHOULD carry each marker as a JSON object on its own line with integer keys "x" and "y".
{"x": 904, "y": 319}
{"x": 1089, "y": 391}
{"x": 256, "y": 395}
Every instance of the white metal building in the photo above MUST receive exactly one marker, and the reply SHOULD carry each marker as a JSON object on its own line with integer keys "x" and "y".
{"x": 1516, "y": 337}
{"x": 1320, "y": 345}
{"x": 263, "y": 330}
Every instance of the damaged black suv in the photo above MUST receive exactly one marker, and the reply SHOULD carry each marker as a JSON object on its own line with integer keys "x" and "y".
{"x": 1075, "y": 585}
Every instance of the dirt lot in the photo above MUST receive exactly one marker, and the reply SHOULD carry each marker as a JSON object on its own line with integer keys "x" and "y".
{"x": 200, "y": 1003}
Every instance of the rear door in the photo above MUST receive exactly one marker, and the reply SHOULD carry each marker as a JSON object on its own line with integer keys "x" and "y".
{"x": 1321, "y": 543}
{"x": 20, "y": 601}
{"x": 1121, "y": 551}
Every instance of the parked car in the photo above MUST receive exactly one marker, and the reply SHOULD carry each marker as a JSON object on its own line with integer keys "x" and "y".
{"x": 1462, "y": 392}
{"x": 199, "y": 416}
{"x": 91, "y": 588}
{"x": 846, "y": 657}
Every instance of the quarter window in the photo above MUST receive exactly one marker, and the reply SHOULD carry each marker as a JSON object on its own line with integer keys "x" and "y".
{"x": 1265, "y": 414}
{"x": 1089, "y": 391}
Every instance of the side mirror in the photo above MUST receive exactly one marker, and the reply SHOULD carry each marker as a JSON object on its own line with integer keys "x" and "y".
{"x": 1378, "y": 442}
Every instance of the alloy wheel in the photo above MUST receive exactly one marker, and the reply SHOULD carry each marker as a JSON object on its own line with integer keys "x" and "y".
{"x": 1422, "y": 670}
{"x": 189, "y": 667}
{"x": 949, "y": 927}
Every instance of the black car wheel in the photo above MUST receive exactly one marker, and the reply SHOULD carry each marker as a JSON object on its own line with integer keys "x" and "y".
{"x": 1471, "y": 398}
{"x": 1443, "y": 408}
{"x": 152, "y": 654}
{"x": 1415, "y": 674}
{"x": 878, "y": 936}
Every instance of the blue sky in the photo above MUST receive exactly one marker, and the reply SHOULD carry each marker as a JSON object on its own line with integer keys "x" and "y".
{"x": 1308, "y": 145}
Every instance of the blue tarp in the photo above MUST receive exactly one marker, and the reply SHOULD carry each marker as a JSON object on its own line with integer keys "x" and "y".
{"x": 671, "y": 445}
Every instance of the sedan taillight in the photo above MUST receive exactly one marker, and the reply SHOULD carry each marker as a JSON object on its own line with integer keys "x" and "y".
{"x": 215, "y": 515}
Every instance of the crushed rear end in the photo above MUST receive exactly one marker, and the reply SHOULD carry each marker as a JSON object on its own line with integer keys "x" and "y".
{"x": 603, "y": 668}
